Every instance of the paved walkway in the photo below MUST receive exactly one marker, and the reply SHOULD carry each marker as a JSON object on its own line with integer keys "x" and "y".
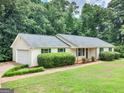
{"x": 4, "y": 67}
{"x": 48, "y": 71}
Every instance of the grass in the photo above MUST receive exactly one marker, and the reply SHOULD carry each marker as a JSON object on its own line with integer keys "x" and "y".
{"x": 107, "y": 77}
{"x": 22, "y": 69}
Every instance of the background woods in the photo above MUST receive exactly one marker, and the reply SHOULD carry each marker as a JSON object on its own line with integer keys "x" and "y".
{"x": 58, "y": 16}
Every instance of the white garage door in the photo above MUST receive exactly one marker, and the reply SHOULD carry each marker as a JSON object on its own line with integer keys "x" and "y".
{"x": 23, "y": 57}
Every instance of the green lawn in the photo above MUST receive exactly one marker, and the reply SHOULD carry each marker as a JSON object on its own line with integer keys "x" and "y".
{"x": 107, "y": 77}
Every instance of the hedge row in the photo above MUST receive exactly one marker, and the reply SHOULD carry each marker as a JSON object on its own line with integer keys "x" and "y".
{"x": 18, "y": 67}
{"x": 22, "y": 71}
{"x": 109, "y": 56}
{"x": 50, "y": 60}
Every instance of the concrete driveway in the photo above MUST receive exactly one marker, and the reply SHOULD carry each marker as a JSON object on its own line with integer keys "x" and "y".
{"x": 6, "y": 66}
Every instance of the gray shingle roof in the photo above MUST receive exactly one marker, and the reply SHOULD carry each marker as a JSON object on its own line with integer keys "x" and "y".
{"x": 42, "y": 41}
{"x": 85, "y": 42}
{"x": 63, "y": 41}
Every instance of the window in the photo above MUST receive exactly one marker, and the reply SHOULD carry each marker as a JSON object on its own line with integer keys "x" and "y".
{"x": 45, "y": 50}
{"x": 81, "y": 52}
{"x": 61, "y": 50}
{"x": 110, "y": 49}
{"x": 101, "y": 50}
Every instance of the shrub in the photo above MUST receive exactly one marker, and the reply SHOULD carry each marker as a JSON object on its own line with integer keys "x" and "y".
{"x": 120, "y": 49}
{"x": 117, "y": 55}
{"x": 93, "y": 59}
{"x": 122, "y": 55}
{"x": 107, "y": 56}
{"x": 50, "y": 60}
{"x": 84, "y": 60}
{"x": 23, "y": 71}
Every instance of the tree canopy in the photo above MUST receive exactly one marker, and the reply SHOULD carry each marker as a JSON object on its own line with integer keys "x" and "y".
{"x": 58, "y": 16}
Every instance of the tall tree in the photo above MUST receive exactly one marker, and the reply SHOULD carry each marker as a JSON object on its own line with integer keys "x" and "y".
{"x": 97, "y": 22}
{"x": 118, "y": 8}
{"x": 32, "y": 16}
{"x": 19, "y": 16}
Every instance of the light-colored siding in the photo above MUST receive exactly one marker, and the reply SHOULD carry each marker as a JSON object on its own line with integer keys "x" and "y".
{"x": 36, "y": 52}
{"x": 97, "y": 53}
{"x": 73, "y": 51}
{"x": 106, "y": 49}
{"x": 54, "y": 50}
{"x": 92, "y": 52}
{"x": 14, "y": 54}
{"x": 112, "y": 49}
{"x": 19, "y": 44}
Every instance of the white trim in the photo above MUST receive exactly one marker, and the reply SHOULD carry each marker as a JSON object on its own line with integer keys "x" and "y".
{"x": 14, "y": 41}
{"x": 18, "y": 36}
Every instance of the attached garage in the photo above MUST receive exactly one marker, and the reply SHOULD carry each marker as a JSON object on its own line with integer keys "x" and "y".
{"x": 23, "y": 57}
{"x": 21, "y": 51}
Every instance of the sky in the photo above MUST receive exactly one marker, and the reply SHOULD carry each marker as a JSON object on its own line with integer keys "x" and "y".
{"x": 80, "y": 3}
{"x": 103, "y": 3}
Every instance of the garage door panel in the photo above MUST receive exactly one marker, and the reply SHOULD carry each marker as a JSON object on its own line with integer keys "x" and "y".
{"x": 23, "y": 57}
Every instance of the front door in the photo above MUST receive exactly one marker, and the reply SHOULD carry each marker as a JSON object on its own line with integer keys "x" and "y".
{"x": 87, "y": 53}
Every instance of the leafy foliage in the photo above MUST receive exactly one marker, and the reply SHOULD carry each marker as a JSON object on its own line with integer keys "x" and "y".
{"x": 58, "y": 16}
{"x": 117, "y": 55}
{"x": 120, "y": 49}
{"x": 32, "y": 16}
{"x": 20, "y": 70}
{"x": 109, "y": 56}
{"x": 50, "y": 60}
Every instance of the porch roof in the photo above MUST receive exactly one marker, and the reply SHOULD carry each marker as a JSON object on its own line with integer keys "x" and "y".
{"x": 83, "y": 42}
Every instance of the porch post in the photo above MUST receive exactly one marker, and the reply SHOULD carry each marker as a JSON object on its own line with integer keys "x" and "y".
{"x": 76, "y": 55}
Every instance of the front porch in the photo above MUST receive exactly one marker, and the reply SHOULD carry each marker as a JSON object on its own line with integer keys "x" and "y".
{"x": 84, "y": 55}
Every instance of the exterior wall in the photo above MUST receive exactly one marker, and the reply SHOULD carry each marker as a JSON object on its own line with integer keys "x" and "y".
{"x": 97, "y": 53}
{"x": 36, "y": 52}
{"x": 92, "y": 52}
{"x": 19, "y": 44}
{"x": 105, "y": 49}
{"x": 73, "y": 51}
{"x": 112, "y": 49}
{"x": 14, "y": 54}
{"x": 54, "y": 50}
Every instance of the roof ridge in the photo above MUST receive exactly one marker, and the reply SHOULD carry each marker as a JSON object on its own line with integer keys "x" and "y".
{"x": 35, "y": 34}
{"x": 76, "y": 35}
{"x": 65, "y": 40}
